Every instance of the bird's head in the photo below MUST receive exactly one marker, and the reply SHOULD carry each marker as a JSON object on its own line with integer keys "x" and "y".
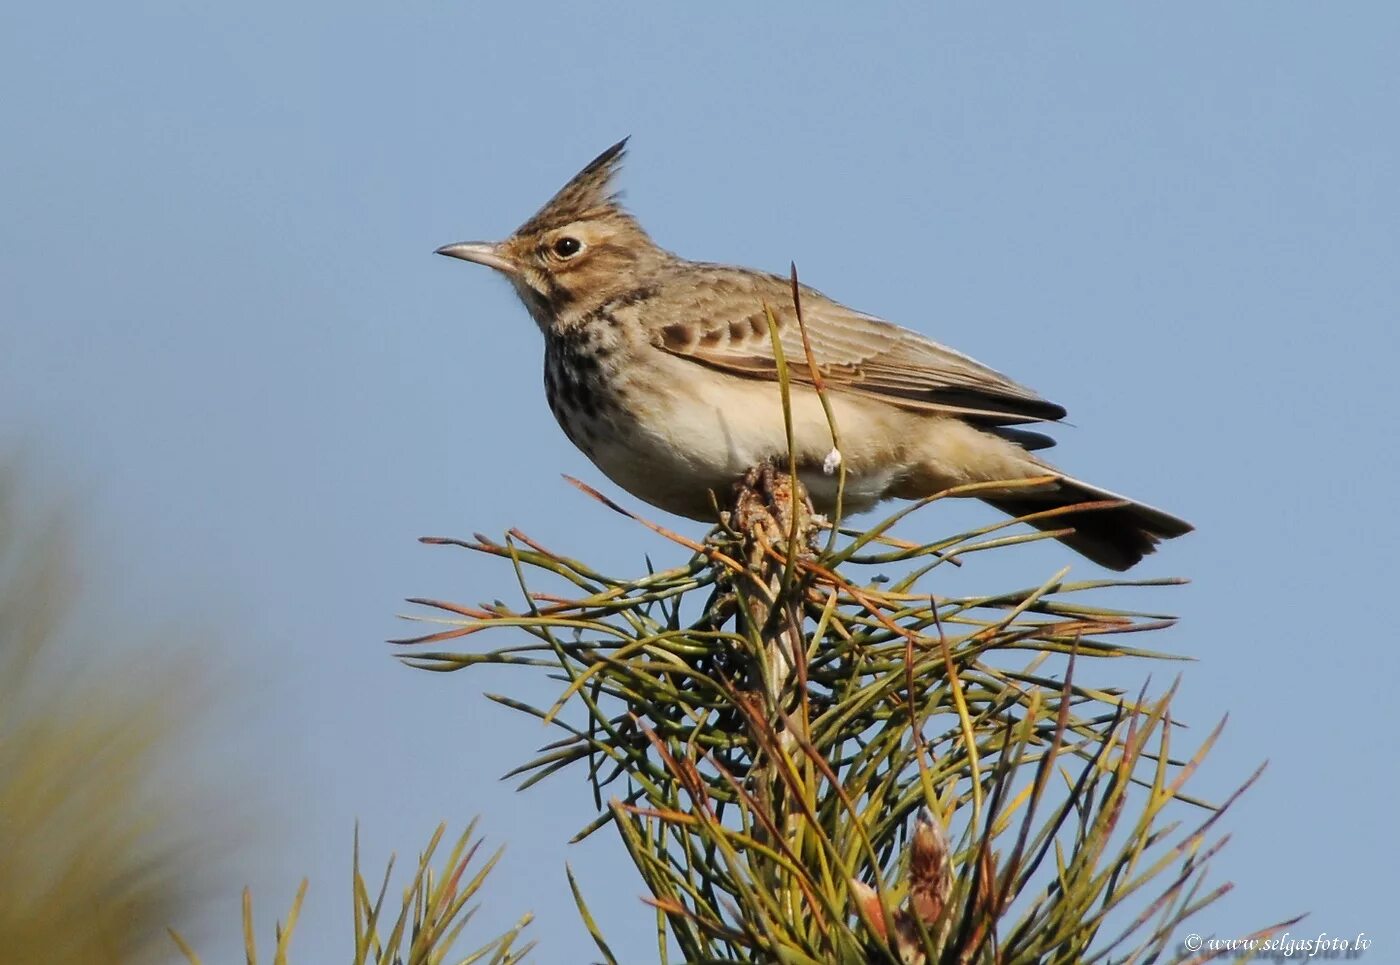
{"x": 577, "y": 251}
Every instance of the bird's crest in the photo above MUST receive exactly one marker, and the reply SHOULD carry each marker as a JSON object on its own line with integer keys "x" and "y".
{"x": 586, "y": 196}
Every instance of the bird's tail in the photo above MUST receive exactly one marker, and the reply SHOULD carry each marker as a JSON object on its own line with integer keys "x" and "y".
{"x": 1113, "y": 536}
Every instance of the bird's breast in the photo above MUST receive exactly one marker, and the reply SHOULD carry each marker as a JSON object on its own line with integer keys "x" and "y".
{"x": 672, "y": 432}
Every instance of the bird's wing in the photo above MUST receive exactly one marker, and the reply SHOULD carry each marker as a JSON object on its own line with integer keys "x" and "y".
{"x": 853, "y": 352}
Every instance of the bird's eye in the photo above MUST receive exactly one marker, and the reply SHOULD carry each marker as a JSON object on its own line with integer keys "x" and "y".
{"x": 567, "y": 247}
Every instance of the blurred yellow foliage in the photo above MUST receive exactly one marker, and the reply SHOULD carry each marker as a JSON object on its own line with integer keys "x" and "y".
{"x": 94, "y": 860}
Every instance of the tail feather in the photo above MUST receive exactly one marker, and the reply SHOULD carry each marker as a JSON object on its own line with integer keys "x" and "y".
{"x": 1116, "y": 537}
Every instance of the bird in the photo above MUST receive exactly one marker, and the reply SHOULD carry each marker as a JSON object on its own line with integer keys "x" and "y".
{"x": 663, "y": 372}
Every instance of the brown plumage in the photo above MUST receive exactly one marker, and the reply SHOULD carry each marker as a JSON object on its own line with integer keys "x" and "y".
{"x": 662, "y": 371}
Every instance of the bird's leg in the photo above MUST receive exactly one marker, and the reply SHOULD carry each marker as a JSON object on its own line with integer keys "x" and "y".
{"x": 774, "y": 517}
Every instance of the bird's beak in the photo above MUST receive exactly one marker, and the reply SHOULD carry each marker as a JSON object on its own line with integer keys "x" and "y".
{"x": 482, "y": 252}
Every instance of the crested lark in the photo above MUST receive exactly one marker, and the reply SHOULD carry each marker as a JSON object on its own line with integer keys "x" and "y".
{"x": 662, "y": 371}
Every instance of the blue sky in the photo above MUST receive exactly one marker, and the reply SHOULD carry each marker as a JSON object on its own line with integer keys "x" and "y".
{"x": 222, "y": 326}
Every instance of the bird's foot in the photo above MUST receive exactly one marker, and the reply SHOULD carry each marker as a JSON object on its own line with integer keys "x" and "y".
{"x": 771, "y": 507}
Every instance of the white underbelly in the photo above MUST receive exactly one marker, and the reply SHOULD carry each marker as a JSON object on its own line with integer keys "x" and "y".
{"x": 694, "y": 431}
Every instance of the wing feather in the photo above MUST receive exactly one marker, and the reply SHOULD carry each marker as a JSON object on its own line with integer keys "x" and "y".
{"x": 854, "y": 352}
